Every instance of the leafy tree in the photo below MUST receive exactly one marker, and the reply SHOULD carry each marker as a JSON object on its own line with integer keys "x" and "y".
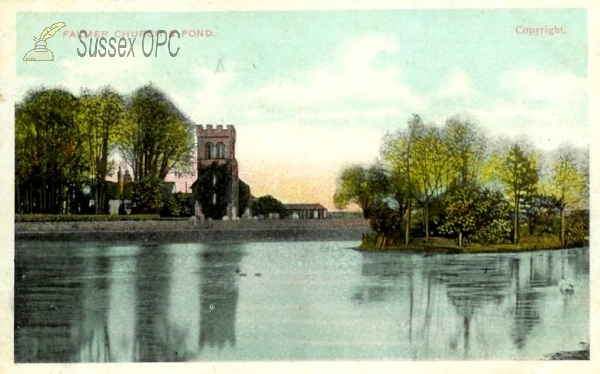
{"x": 245, "y": 197}
{"x": 540, "y": 210}
{"x": 386, "y": 222}
{"x": 578, "y": 229}
{"x": 265, "y": 205}
{"x": 147, "y": 197}
{"x": 100, "y": 115}
{"x": 157, "y": 137}
{"x": 430, "y": 169}
{"x": 568, "y": 184}
{"x": 467, "y": 149}
{"x": 50, "y": 167}
{"x": 518, "y": 172}
{"x": 361, "y": 185}
{"x": 399, "y": 152}
{"x": 475, "y": 212}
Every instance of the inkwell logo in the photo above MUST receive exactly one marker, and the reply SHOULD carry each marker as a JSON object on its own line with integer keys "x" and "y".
{"x": 40, "y": 52}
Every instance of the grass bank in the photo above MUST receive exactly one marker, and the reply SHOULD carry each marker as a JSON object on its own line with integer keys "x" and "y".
{"x": 443, "y": 245}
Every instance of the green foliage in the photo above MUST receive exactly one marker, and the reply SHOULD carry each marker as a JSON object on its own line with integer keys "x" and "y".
{"x": 517, "y": 171}
{"x": 82, "y": 217}
{"x": 265, "y": 205}
{"x": 540, "y": 211}
{"x": 99, "y": 116}
{"x": 156, "y": 138}
{"x": 212, "y": 189}
{"x": 178, "y": 205}
{"x": 476, "y": 214}
{"x": 578, "y": 231}
{"x": 467, "y": 150}
{"x": 387, "y": 223}
{"x": 569, "y": 184}
{"x": 147, "y": 196}
{"x": 245, "y": 197}
{"x": 364, "y": 186}
{"x": 50, "y": 167}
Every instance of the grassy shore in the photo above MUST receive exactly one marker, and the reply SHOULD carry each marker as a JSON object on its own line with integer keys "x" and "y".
{"x": 443, "y": 245}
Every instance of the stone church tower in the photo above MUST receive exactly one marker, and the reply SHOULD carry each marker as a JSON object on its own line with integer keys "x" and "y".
{"x": 216, "y": 147}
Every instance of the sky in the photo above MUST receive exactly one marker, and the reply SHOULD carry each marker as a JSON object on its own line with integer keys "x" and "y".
{"x": 310, "y": 92}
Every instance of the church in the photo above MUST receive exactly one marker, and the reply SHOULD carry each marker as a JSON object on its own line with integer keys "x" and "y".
{"x": 219, "y": 191}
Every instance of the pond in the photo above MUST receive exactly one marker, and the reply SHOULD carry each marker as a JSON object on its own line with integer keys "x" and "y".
{"x": 103, "y": 302}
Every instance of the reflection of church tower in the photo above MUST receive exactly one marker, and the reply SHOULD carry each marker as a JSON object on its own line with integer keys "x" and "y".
{"x": 219, "y": 297}
{"x": 216, "y": 148}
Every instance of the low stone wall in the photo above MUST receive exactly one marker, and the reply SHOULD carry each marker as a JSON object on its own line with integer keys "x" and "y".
{"x": 189, "y": 231}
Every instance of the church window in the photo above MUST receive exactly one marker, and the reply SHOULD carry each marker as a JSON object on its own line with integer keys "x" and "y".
{"x": 210, "y": 151}
{"x": 220, "y": 150}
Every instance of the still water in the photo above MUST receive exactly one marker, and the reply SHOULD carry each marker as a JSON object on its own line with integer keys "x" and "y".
{"x": 86, "y": 302}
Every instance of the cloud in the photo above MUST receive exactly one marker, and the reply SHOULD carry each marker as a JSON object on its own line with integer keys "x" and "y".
{"x": 458, "y": 84}
{"x": 123, "y": 74}
{"x": 549, "y": 108}
{"x": 352, "y": 77}
{"x": 210, "y": 102}
{"x": 559, "y": 87}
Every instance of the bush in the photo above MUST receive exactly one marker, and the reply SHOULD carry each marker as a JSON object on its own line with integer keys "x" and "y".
{"x": 82, "y": 217}
{"x": 147, "y": 197}
{"x": 178, "y": 205}
{"x": 578, "y": 231}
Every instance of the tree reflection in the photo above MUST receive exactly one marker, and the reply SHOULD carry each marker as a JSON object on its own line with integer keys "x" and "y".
{"x": 526, "y": 315}
{"x": 152, "y": 289}
{"x": 60, "y": 301}
{"x": 380, "y": 272}
{"x": 470, "y": 284}
{"x": 219, "y": 295}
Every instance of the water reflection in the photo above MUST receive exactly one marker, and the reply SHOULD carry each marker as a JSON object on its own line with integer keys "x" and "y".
{"x": 481, "y": 289}
{"x": 219, "y": 290}
{"x": 183, "y": 302}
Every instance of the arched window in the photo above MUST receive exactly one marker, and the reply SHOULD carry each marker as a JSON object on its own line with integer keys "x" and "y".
{"x": 210, "y": 151}
{"x": 220, "y": 150}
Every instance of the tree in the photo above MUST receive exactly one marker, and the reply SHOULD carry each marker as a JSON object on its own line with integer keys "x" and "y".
{"x": 100, "y": 115}
{"x": 265, "y": 205}
{"x": 518, "y": 172}
{"x": 475, "y": 212}
{"x": 361, "y": 185}
{"x": 147, "y": 197}
{"x": 568, "y": 184}
{"x": 157, "y": 137}
{"x": 467, "y": 147}
{"x": 430, "y": 169}
{"x": 399, "y": 152}
{"x": 386, "y": 222}
{"x": 50, "y": 167}
{"x": 540, "y": 210}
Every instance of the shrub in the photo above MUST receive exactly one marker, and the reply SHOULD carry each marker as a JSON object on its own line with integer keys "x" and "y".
{"x": 178, "y": 205}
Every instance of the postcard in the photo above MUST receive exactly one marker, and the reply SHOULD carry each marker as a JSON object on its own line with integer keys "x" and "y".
{"x": 299, "y": 187}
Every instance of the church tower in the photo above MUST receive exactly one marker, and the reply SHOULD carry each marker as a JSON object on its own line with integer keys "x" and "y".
{"x": 218, "y": 167}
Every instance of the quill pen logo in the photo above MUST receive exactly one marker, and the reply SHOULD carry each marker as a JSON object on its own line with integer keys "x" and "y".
{"x": 40, "y": 52}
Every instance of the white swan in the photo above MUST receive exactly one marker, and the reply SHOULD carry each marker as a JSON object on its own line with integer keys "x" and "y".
{"x": 566, "y": 287}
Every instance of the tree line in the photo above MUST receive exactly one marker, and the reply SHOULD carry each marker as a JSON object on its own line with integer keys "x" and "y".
{"x": 453, "y": 181}
{"x": 66, "y": 146}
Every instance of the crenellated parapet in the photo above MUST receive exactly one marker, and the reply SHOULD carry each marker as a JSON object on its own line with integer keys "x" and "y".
{"x": 215, "y": 142}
